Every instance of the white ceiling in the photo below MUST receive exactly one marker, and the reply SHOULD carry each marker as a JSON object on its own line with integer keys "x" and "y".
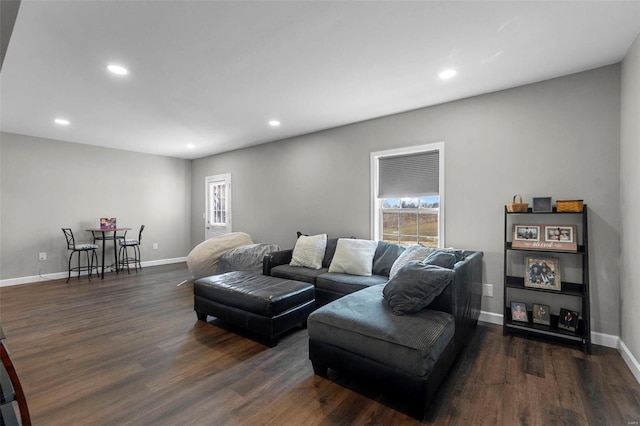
{"x": 213, "y": 73}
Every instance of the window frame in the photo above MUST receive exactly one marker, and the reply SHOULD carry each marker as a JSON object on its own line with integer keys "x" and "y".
{"x": 376, "y": 203}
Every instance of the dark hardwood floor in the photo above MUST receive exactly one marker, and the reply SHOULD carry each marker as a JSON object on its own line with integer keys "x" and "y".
{"x": 129, "y": 350}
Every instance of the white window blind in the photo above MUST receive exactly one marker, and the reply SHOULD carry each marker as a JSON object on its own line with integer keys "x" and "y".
{"x": 409, "y": 175}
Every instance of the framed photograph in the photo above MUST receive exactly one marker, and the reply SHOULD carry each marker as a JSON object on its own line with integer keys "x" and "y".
{"x": 568, "y": 319}
{"x": 541, "y": 314}
{"x": 541, "y": 204}
{"x": 519, "y": 312}
{"x": 559, "y": 233}
{"x": 542, "y": 272}
{"x": 526, "y": 233}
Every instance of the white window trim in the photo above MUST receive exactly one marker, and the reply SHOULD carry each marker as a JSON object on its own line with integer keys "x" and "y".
{"x": 375, "y": 202}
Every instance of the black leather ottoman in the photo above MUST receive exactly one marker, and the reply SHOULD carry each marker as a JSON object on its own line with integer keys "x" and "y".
{"x": 265, "y": 305}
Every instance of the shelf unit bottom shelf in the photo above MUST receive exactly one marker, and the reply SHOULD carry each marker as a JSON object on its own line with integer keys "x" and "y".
{"x": 550, "y": 331}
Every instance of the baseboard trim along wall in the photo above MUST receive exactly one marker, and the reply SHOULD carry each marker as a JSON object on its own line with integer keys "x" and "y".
{"x": 601, "y": 339}
{"x": 632, "y": 363}
{"x": 60, "y": 275}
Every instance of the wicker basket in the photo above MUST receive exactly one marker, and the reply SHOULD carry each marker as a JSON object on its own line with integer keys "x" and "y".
{"x": 517, "y": 207}
{"x": 574, "y": 206}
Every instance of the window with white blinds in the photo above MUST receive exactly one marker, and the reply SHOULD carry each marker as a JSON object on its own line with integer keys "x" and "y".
{"x": 409, "y": 175}
{"x": 407, "y": 195}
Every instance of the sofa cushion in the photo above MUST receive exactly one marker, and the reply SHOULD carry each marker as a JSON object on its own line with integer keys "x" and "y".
{"x": 298, "y": 273}
{"x": 346, "y": 283}
{"x": 416, "y": 252}
{"x": 362, "y": 323}
{"x": 353, "y": 256}
{"x": 386, "y": 255}
{"x": 309, "y": 251}
{"x": 415, "y": 286}
{"x": 443, "y": 258}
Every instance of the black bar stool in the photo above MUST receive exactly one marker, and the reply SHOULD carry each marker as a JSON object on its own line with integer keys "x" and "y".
{"x": 80, "y": 248}
{"x": 134, "y": 245}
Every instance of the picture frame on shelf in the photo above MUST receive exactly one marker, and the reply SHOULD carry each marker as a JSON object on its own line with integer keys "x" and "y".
{"x": 542, "y": 205}
{"x": 541, "y": 314}
{"x": 568, "y": 319}
{"x": 526, "y": 233}
{"x": 542, "y": 272}
{"x": 560, "y": 233}
{"x": 545, "y": 237}
{"x": 519, "y": 312}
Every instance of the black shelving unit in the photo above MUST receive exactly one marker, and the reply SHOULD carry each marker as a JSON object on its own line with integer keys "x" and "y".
{"x": 514, "y": 282}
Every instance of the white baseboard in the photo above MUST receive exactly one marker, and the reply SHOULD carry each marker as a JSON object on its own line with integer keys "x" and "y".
{"x": 630, "y": 360}
{"x": 60, "y": 275}
{"x": 490, "y": 317}
{"x": 607, "y": 340}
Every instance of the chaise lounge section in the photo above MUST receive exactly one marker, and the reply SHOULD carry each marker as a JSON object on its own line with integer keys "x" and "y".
{"x": 411, "y": 353}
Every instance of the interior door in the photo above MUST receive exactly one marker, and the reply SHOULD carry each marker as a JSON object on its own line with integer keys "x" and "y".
{"x": 218, "y": 205}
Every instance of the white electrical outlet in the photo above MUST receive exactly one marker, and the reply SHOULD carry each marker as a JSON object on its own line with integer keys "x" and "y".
{"x": 487, "y": 290}
{"x": 155, "y": 246}
{"x": 43, "y": 256}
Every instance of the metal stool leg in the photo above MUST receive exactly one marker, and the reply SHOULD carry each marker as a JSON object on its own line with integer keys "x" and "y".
{"x": 70, "y": 257}
{"x": 137, "y": 254}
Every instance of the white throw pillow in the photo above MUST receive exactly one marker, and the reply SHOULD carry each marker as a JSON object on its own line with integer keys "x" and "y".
{"x": 354, "y": 257}
{"x": 416, "y": 252}
{"x": 309, "y": 251}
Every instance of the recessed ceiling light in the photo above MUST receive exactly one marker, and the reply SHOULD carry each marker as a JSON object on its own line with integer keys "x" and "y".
{"x": 117, "y": 69}
{"x": 274, "y": 123}
{"x": 191, "y": 146}
{"x": 446, "y": 74}
{"x": 62, "y": 121}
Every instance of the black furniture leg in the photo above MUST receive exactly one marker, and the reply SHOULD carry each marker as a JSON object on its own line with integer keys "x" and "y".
{"x": 103, "y": 247}
{"x": 115, "y": 250}
{"x": 320, "y": 370}
{"x": 69, "y": 276}
{"x": 79, "y": 259}
{"x": 88, "y": 265}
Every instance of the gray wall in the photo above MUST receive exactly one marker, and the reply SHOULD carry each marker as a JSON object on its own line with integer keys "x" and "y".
{"x": 47, "y": 184}
{"x": 558, "y": 138}
{"x": 629, "y": 190}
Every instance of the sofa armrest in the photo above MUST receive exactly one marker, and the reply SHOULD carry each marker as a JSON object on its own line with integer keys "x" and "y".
{"x": 275, "y": 258}
{"x": 462, "y": 298}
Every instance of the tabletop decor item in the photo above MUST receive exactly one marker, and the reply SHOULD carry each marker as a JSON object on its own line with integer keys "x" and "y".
{"x": 542, "y": 205}
{"x": 108, "y": 223}
{"x": 569, "y": 206}
{"x": 519, "y": 207}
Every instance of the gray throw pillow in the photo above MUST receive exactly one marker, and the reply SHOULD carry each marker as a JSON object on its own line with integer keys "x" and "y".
{"x": 415, "y": 252}
{"x": 415, "y": 286}
{"x": 443, "y": 258}
{"x": 386, "y": 255}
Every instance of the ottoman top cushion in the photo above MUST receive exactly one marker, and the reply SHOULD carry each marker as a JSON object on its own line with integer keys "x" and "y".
{"x": 252, "y": 292}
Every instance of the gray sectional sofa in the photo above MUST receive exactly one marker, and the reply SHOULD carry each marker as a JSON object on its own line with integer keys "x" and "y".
{"x": 403, "y": 333}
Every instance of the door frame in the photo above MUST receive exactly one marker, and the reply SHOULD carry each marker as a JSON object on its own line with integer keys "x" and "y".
{"x": 226, "y": 177}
